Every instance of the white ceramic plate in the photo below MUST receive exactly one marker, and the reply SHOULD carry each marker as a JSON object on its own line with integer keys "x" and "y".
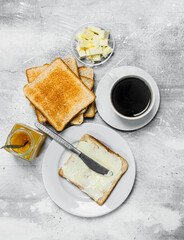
{"x": 69, "y": 197}
{"x": 103, "y": 99}
{"x": 86, "y": 61}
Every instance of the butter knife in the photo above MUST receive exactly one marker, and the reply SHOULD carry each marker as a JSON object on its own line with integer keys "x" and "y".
{"x": 93, "y": 165}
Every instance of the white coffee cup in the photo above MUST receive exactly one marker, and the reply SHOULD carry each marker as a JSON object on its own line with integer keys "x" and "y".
{"x": 141, "y": 75}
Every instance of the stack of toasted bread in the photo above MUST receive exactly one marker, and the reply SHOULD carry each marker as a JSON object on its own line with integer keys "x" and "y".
{"x": 61, "y": 92}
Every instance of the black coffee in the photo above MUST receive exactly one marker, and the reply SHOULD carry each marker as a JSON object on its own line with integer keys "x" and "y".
{"x": 131, "y": 97}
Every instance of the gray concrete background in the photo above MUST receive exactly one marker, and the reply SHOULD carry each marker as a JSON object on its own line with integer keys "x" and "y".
{"x": 149, "y": 34}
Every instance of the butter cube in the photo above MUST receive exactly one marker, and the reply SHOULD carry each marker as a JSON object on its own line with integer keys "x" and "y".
{"x": 100, "y": 50}
{"x": 95, "y": 50}
{"x": 91, "y": 44}
{"x": 94, "y": 29}
{"x": 96, "y": 41}
{"x": 106, "y": 51}
{"x": 88, "y": 52}
{"x": 104, "y": 42}
{"x": 82, "y": 54}
{"x": 78, "y": 36}
{"x": 102, "y": 34}
{"x": 85, "y": 33}
{"x": 91, "y": 58}
{"x": 97, "y": 58}
{"x": 83, "y": 43}
{"x": 78, "y": 49}
{"x": 106, "y": 34}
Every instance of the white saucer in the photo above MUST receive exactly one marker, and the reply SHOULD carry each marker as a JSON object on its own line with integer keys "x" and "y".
{"x": 103, "y": 99}
{"x": 69, "y": 197}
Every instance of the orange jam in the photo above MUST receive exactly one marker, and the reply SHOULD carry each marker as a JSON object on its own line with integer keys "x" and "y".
{"x": 21, "y": 138}
{"x": 31, "y": 138}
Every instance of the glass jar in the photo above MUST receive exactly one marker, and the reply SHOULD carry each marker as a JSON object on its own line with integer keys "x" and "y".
{"x": 32, "y": 140}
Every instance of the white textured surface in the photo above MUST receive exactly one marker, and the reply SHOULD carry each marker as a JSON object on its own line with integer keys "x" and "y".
{"x": 149, "y": 35}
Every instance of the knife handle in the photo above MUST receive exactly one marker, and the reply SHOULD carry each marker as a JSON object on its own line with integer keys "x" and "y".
{"x": 57, "y": 138}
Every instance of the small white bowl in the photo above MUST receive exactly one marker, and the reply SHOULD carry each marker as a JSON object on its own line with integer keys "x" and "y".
{"x": 86, "y": 61}
{"x": 151, "y": 88}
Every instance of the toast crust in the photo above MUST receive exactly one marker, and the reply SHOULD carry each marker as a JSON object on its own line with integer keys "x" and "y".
{"x": 88, "y": 82}
{"x": 86, "y": 72}
{"x": 124, "y": 168}
{"x": 72, "y": 64}
{"x": 32, "y": 74}
{"x": 90, "y": 113}
{"x": 78, "y": 120}
{"x": 52, "y": 91}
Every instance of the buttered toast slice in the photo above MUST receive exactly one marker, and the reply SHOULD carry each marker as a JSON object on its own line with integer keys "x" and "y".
{"x": 58, "y": 94}
{"x": 97, "y": 186}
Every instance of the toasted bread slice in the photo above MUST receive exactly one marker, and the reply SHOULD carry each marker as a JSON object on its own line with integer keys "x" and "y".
{"x": 77, "y": 120}
{"x": 72, "y": 64}
{"x": 90, "y": 113}
{"x": 33, "y": 73}
{"x": 88, "y": 82}
{"x": 58, "y": 94}
{"x": 98, "y": 187}
{"x": 86, "y": 72}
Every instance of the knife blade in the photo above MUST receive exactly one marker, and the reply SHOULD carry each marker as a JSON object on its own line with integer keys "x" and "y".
{"x": 93, "y": 165}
